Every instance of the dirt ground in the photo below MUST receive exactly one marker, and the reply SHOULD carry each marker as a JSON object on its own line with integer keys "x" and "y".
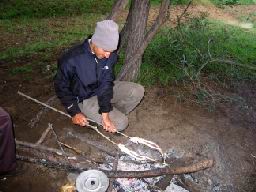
{"x": 226, "y": 134}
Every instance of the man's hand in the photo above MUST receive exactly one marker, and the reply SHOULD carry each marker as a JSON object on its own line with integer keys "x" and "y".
{"x": 107, "y": 123}
{"x": 80, "y": 119}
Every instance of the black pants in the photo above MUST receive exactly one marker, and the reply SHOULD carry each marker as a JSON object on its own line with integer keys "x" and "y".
{"x": 7, "y": 143}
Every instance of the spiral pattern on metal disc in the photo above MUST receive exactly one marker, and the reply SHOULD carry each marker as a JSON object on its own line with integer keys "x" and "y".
{"x": 92, "y": 181}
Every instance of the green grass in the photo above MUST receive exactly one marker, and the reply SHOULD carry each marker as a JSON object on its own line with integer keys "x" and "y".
{"x": 45, "y": 35}
{"x": 21, "y": 69}
{"x": 178, "y": 54}
{"x": 48, "y": 8}
{"x": 248, "y": 18}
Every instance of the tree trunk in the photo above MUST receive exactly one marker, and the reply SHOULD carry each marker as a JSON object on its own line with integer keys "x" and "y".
{"x": 135, "y": 37}
{"x": 137, "y": 23}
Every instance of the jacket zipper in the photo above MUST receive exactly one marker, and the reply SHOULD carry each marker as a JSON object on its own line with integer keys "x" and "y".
{"x": 96, "y": 68}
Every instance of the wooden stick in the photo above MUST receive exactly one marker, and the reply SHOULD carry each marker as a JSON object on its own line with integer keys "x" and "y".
{"x": 183, "y": 13}
{"x": 58, "y": 141}
{"x": 72, "y": 148}
{"x": 43, "y": 136}
{"x": 120, "y": 146}
{"x": 95, "y": 144}
{"x": 67, "y": 115}
{"x": 115, "y": 164}
{"x": 41, "y": 103}
{"x": 38, "y": 116}
{"x": 43, "y": 149}
{"x": 50, "y": 163}
{"x": 226, "y": 61}
{"x": 38, "y": 147}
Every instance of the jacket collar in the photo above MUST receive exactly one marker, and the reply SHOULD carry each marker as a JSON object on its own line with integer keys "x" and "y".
{"x": 86, "y": 46}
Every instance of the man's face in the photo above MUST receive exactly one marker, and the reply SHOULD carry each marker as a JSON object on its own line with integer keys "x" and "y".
{"x": 101, "y": 53}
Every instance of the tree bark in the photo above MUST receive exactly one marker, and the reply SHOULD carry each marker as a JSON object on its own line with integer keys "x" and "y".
{"x": 124, "y": 34}
{"x": 136, "y": 27}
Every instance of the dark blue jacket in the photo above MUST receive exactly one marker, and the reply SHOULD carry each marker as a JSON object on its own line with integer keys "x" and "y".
{"x": 82, "y": 75}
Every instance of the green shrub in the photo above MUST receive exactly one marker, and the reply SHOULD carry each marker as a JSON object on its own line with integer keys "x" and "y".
{"x": 196, "y": 48}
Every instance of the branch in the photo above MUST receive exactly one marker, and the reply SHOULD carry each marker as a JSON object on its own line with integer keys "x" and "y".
{"x": 115, "y": 164}
{"x": 36, "y": 119}
{"x": 58, "y": 141}
{"x": 161, "y": 18}
{"x": 47, "y": 150}
{"x": 50, "y": 163}
{"x": 183, "y": 13}
{"x": 225, "y": 61}
{"x": 21, "y": 144}
{"x": 118, "y": 6}
{"x": 232, "y": 63}
{"x": 95, "y": 144}
{"x": 43, "y": 136}
{"x": 120, "y": 146}
{"x": 63, "y": 113}
{"x": 44, "y": 104}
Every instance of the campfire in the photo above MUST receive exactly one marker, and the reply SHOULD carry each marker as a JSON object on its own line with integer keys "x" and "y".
{"x": 138, "y": 165}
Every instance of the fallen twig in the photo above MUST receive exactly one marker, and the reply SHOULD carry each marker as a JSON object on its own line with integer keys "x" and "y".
{"x": 43, "y": 136}
{"x": 50, "y": 163}
{"x": 183, "y": 13}
{"x": 44, "y": 149}
{"x": 232, "y": 63}
{"x": 115, "y": 164}
{"x": 58, "y": 141}
{"x": 44, "y": 104}
{"x": 36, "y": 119}
{"x": 95, "y": 144}
{"x": 20, "y": 144}
{"x": 72, "y": 148}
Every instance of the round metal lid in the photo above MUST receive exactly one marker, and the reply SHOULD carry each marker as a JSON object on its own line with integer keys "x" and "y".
{"x": 92, "y": 181}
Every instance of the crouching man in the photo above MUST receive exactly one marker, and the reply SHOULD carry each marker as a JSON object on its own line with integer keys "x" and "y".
{"x": 85, "y": 81}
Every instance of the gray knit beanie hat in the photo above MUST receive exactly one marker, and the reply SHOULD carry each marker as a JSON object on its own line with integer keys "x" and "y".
{"x": 106, "y": 35}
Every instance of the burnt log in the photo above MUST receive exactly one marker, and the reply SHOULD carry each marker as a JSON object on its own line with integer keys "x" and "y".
{"x": 204, "y": 164}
